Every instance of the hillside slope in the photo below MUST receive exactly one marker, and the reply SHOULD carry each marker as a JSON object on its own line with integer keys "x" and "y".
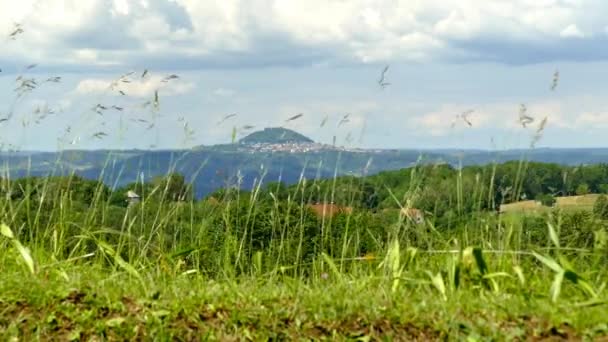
{"x": 275, "y": 135}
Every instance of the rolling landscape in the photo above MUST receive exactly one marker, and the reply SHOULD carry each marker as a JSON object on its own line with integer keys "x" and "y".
{"x": 188, "y": 170}
{"x": 265, "y": 155}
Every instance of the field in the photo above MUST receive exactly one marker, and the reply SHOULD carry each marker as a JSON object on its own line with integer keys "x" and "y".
{"x": 523, "y": 207}
{"x": 571, "y": 203}
{"x": 167, "y": 273}
{"x": 583, "y": 202}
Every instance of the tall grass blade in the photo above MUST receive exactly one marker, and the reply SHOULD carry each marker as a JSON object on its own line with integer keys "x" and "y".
{"x": 520, "y": 275}
{"x": 549, "y": 262}
{"x": 26, "y": 256}
{"x": 556, "y": 286}
{"x": 392, "y": 262}
{"x": 106, "y": 248}
{"x": 438, "y": 283}
{"x": 332, "y": 265}
{"x": 553, "y": 235}
{"x": 6, "y": 231}
{"x": 25, "y": 253}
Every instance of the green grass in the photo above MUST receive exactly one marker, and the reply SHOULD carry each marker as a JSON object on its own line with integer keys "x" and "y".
{"x": 92, "y": 302}
{"x": 404, "y": 294}
{"x": 189, "y": 270}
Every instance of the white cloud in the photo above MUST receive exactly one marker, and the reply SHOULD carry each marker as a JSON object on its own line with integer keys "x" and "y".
{"x": 572, "y": 31}
{"x": 284, "y": 32}
{"x": 592, "y": 120}
{"x": 136, "y": 88}
{"x": 121, "y": 7}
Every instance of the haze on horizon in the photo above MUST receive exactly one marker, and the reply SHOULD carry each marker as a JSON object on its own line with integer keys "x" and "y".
{"x": 267, "y": 61}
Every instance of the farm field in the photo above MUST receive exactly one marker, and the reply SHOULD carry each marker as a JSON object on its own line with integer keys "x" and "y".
{"x": 569, "y": 203}
{"x": 583, "y": 202}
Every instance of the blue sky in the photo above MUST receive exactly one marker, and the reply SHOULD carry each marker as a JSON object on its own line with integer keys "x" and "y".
{"x": 267, "y": 60}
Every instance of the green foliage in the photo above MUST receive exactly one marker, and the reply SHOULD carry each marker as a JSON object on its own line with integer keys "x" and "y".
{"x": 169, "y": 188}
{"x": 169, "y": 245}
{"x": 582, "y": 189}
{"x": 600, "y": 208}
{"x": 547, "y": 200}
{"x": 275, "y": 135}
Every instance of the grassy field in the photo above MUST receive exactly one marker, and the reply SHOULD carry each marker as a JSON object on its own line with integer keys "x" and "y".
{"x": 260, "y": 265}
{"x": 529, "y": 206}
{"x": 100, "y": 306}
{"x": 476, "y": 283}
{"x": 582, "y": 202}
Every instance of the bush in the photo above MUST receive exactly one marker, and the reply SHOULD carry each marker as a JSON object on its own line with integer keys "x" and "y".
{"x": 534, "y": 229}
{"x": 600, "y": 208}
{"x": 582, "y": 189}
{"x": 546, "y": 200}
{"x": 577, "y": 229}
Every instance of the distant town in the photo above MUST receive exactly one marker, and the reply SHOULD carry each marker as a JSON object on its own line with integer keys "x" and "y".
{"x": 298, "y": 147}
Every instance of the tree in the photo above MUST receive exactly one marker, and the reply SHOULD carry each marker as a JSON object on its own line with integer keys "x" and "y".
{"x": 173, "y": 187}
{"x": 546, "y": 199}
{"x": 370, "y": 198}
{"x": 582, "y": 189}
{"x": 600, "y": 208}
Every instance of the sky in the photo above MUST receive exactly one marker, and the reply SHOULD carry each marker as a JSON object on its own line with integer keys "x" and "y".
{"x": 269, "y": 60}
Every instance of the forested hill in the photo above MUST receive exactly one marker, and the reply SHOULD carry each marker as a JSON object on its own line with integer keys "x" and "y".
{"x": 443, "y": 189}
{"x": 274, "y": 154}
{"x": 275, "y": 135}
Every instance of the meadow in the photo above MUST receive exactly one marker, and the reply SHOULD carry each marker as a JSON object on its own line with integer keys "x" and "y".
{"x": 80, "y": 264}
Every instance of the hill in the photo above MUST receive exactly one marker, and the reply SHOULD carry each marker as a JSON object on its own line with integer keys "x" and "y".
{"x": 275, "y": 135}
{"x": 212, "y": 167}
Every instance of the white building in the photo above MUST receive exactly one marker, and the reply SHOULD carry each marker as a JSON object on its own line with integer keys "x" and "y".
{"x": 132, "y": 197}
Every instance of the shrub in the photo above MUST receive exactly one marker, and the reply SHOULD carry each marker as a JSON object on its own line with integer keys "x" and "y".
{"x": 546, "y": 200}
{"x": 600, "y": 208}
{"x": 582, "y": 189}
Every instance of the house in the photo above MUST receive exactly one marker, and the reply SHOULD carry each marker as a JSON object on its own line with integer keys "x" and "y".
{"x": 329, "y": 209}
{"x": 132, "y": 197}
{"x": 416, "y": 215}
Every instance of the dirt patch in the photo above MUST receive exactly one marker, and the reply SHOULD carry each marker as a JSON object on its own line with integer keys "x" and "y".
{"x": 75, "y": 297}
